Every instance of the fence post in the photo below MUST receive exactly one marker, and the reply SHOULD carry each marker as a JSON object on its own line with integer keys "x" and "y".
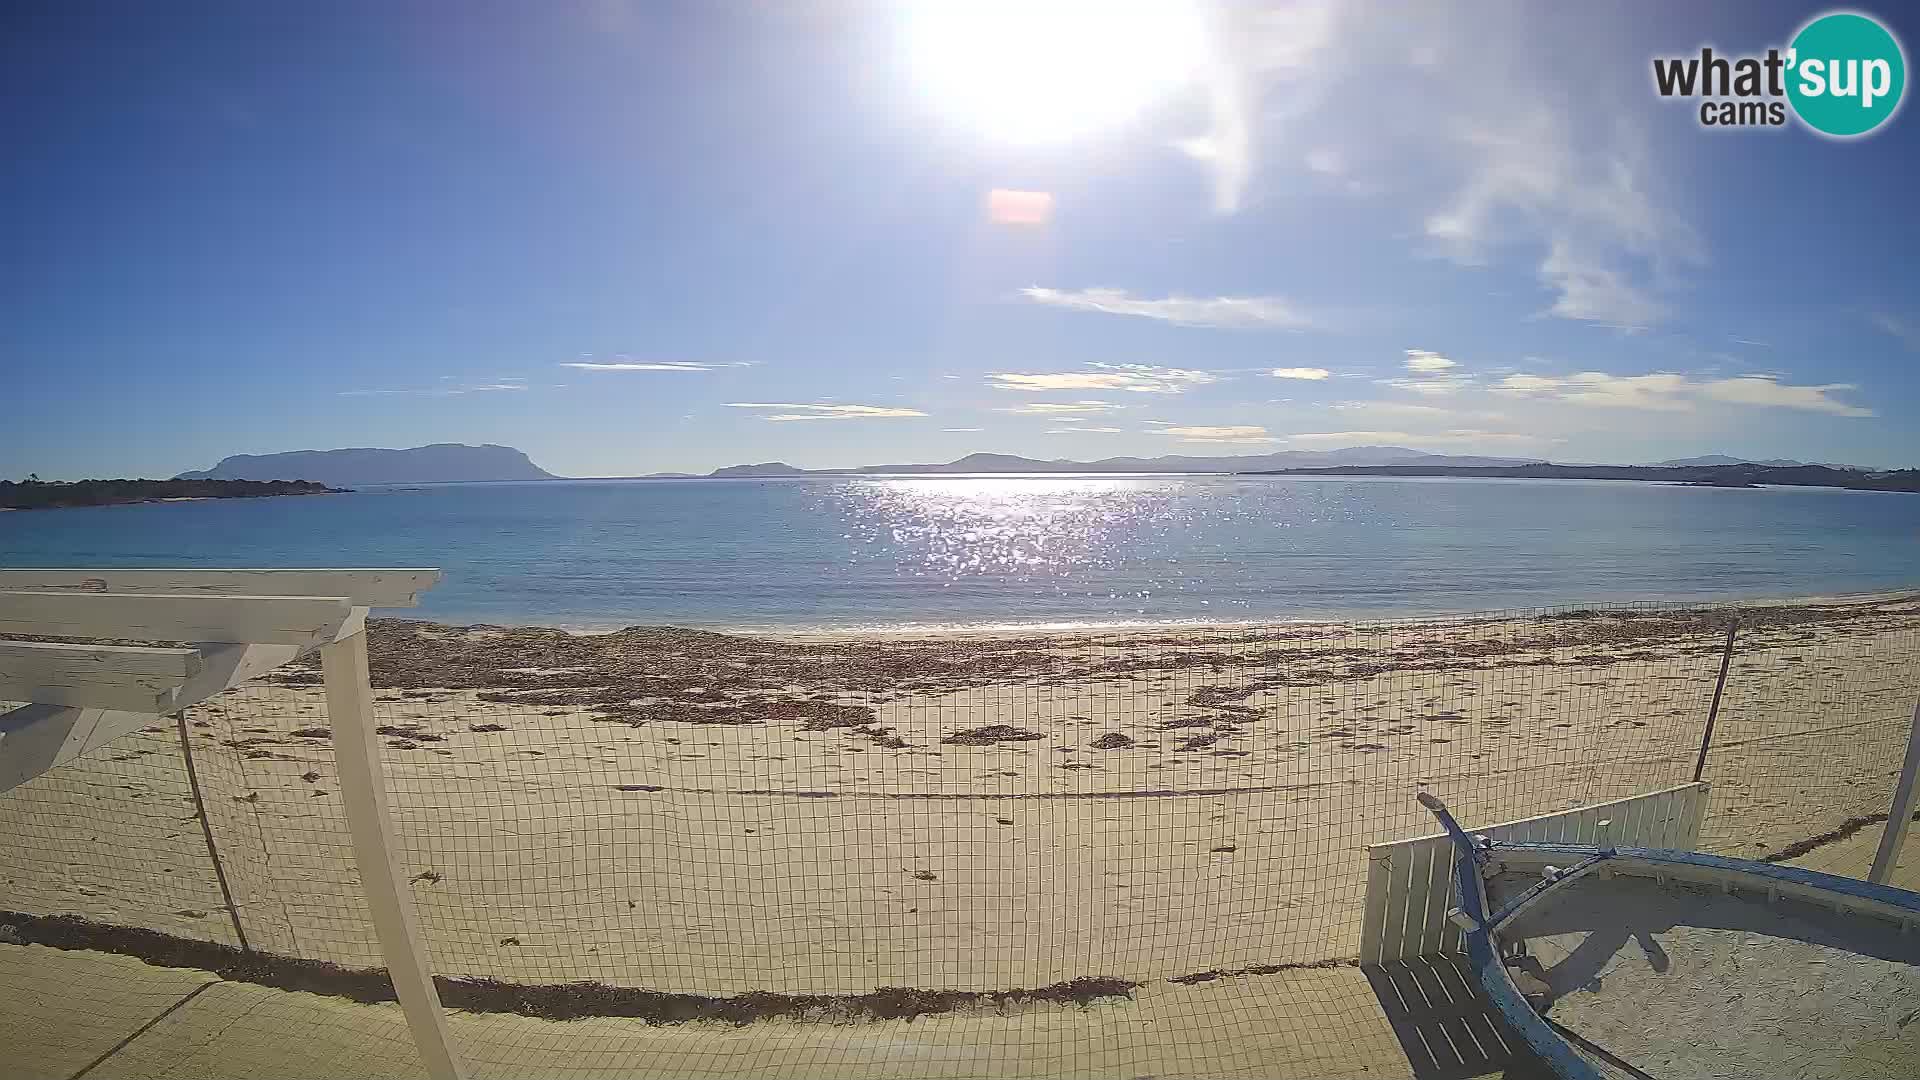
{"x": 206, "y": 829}
{"x": 1713, "y": 711}
{"x": 1900, "y": 813}
{"x": 343, "y": 666}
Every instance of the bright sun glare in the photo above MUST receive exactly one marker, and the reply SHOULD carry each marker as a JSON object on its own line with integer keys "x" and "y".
{"x": 1045, "y": 70}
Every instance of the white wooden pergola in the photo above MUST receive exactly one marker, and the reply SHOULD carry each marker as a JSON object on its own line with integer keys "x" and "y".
{"x": 235, "y": 626}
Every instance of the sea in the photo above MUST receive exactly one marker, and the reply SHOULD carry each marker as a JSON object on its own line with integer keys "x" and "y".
{"x": 878, "y": 554}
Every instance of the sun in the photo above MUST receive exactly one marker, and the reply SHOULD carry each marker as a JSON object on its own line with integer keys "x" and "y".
{"x": 1050, "y": 70}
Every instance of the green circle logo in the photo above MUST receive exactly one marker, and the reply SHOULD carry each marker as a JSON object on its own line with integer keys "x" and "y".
{"x": 1845, "y": 74}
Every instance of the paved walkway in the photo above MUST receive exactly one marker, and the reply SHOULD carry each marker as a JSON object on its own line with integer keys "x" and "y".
{"x": 103, "y": 1017}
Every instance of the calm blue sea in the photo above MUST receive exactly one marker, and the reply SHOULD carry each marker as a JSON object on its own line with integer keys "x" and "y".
{"x": 991, "y": 551}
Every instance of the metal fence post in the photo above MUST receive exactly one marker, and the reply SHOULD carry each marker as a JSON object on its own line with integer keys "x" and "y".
{"x": 1900, "y": 813}
{"x": 206, "y": 830}
{"x": 363, "y": 787}
{"x": 1713, "y": 711}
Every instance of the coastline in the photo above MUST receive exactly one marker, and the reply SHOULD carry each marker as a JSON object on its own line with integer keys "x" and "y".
{"x": 1075, "y": 629}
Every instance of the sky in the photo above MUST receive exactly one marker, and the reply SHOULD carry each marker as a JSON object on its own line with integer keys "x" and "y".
{"x": 640, "y": 237}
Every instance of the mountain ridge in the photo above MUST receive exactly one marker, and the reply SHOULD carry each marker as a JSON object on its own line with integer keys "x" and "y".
{"x": 1744, "y": 475}
{"x": 459, "y": 462}
{"x": 435, "y": 463}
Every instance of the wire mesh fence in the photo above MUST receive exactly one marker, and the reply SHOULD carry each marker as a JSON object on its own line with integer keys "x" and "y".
{"x": 1132, "y": 851}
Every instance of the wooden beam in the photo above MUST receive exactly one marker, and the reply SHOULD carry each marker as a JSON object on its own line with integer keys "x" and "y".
{"x": 365, "y": 588}
{"x": 95, "y": 676}
{"x": 278, "y": 620}
{"x": 35, "y": 738}
{"x": 363, "y": 790}
{"x": 1900, "y": 812}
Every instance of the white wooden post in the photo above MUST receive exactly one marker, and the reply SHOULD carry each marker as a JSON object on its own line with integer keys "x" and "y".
{"x": 1900, "y": 814}
{"x": 343, "y": 665}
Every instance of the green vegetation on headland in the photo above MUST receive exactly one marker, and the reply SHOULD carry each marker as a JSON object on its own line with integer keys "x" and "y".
{"x": 1694, "y": 475}
{"x": 46, "y": 495}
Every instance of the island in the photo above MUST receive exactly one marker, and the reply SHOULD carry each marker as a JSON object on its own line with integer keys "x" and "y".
{"x": 438, "y": 463}
{"x": 50, "y": 495}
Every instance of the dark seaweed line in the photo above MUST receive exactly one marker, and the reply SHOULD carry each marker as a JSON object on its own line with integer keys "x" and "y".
{"x": 554, "y": 1001}
{"x": 578, "y": 1000}
{"x": 1812, "y": 843}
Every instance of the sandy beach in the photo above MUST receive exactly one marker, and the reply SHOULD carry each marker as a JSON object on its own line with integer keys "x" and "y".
{"x": 702, "y": 813}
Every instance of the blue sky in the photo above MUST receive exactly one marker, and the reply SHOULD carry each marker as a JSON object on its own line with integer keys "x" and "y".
{"x": 768, "y": 232}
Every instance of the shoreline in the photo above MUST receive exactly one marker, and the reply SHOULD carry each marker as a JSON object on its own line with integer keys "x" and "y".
{"x": 1067, "y": 630}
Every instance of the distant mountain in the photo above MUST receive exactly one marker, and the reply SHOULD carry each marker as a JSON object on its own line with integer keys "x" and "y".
{"x": 439, "y": 463}
{"x": 1742, "y": 475}
{"x": 1171, "y": 463}
{"x": 1722, "y": 459}
{"x": 765, "y": 468}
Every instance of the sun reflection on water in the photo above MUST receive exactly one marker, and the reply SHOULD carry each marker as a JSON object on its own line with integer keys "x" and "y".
{"x": 1033, "y": 529}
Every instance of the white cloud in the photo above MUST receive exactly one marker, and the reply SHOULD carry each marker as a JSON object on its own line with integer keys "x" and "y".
{"x": 1236, "y": 312}
{"x": 1432, "y": 375}
{"x": 956, "y": 429}
{"x": 1312, "y": 374}
{"x": 630, "y": 365}
{"x": 1669, "y": 392}
{"x": 1051, "y": 408}
{"x": 825, "y": 412}
{"x": 1908, "y": 333}
{"x": 1083, "y": 431}
{"x": 1239, "y": 433}
{"x": 1134, "y": 378}
{"x": 1452, "y": 437}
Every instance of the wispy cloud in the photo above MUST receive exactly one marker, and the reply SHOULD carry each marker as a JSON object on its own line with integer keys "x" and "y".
{"x": 958, "y": 429}
{"x": 647, "y": 365}
{"x": 1391, "y": 408}
{"x": 1237, "y": 433}
{"x": 1133, "y": 378}
{"x": 1670, "y": 392}
{"x": 1451, "y": 437}
{"x": 1053, "y": 408}
{"x": 447, "y": 389}
{"x": 1593, "y": 292}
{"x": 1260, "y": 49}
{"x": 1084, "y": 431}
{"x": 1327, "y": 161}
{"x": 826, "y": 412}
{"x": 1311, "y": 374}
{"x": 1907, "y": 332}
{"x": 1768, "y": 392}
{"x": 1233, "y": 312}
